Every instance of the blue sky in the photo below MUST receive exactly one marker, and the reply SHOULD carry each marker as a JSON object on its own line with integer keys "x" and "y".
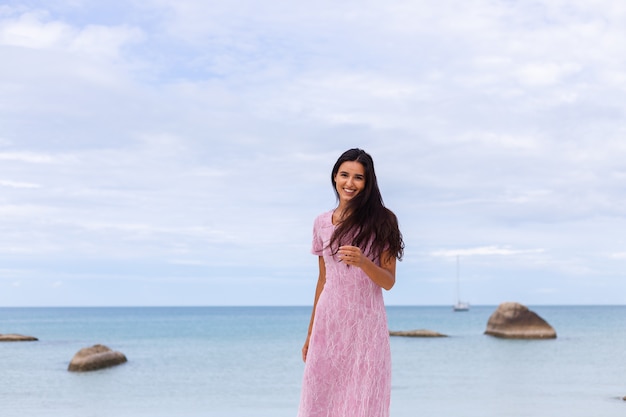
{"x": 176, "y": 152}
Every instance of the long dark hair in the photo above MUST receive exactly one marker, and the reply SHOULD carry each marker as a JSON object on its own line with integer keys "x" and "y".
{"x": 369, "y": 225}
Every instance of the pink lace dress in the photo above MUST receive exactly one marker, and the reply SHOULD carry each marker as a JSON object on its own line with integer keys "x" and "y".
{"x": 348, "y": 366}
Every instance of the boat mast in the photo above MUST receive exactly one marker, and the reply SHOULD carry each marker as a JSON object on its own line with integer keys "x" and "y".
{"x": 458, "y": 285}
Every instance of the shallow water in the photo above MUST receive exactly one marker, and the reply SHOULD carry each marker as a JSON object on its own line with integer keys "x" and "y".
{"x": 245, "y": 361}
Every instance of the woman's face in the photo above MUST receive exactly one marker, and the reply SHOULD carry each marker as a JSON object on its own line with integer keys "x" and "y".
{"x": 349, "y": 180}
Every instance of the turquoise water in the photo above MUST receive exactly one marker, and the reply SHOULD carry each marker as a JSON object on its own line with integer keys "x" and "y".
{"x": 245, "y": 361}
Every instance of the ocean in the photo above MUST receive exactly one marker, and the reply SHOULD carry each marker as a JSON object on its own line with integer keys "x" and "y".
{"x": 245, "y": 362}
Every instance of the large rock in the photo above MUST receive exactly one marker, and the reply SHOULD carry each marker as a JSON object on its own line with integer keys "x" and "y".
{"x": 16, "y": 338}
{"x": 95, "y": 357}
{"x": 515, "y": 321}
{"x": 416, "y": 333}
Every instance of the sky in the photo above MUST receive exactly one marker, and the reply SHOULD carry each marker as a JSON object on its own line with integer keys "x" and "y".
{"x": 176, "y": 152}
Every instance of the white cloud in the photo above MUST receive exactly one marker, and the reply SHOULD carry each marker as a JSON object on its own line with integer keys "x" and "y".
{"x": 163, "y": 136}
{"x": 28, "y": 157}
{"x": 484, "y": 250}
{"x": 512, "y": 141}
{"x": 36, "y": 30}
{"x": 104, "y": 42}
{"x": 29, "y": 31}
{"x": 18, "y": 184}
{"x": 545, "y": 73}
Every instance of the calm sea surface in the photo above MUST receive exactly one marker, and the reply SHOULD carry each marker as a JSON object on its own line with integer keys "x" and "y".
{"x": 245, "y": 362}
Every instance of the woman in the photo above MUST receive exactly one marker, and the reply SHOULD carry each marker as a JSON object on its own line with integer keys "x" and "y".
{"x": 347, "y": 357}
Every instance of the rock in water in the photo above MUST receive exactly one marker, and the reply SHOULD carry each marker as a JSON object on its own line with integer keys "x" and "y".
{"x": 16, "y": 338}
{"x": 95, "y": 357}
{"x": 416, "y": 333}
{"x": 516, "y": 321}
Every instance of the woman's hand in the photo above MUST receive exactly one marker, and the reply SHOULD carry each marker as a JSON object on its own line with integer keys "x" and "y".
{"x": 305, "y": 349}
{"x": 383, "y": 275}
{"x": 351, "y": 255}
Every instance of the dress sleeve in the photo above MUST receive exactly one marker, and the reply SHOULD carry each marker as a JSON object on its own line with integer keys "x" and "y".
{"x": 318, "y": 244}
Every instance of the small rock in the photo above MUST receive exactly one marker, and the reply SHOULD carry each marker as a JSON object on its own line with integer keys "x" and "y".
{"x": 416, "y": 333}
{"x": 95, "y": 357}
{"x": 516, "y": 321}
{"x": 16, "y": 338}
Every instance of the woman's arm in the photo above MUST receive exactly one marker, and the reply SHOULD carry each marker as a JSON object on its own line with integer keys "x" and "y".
{"x": 383, "y": 275}
{"x": 321, "y": 280}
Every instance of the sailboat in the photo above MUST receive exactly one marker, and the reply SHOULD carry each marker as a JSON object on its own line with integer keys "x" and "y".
{"x": 460, "y": 305}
